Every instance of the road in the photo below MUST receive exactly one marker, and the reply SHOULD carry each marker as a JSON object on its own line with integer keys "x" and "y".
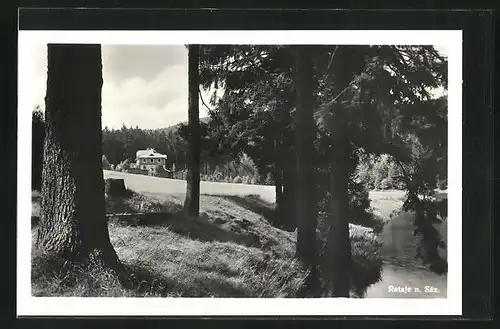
{"x": 150, "y": 184}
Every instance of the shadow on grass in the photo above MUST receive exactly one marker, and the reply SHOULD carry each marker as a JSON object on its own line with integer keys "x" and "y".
{"x": 146, "y": 283}
{"x": 50, "y": 278}
{"x": 201, "y": 228}
{"x": 255, "y": 204}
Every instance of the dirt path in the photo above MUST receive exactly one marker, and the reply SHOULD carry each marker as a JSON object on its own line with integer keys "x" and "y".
{"x": 401, "y": 269}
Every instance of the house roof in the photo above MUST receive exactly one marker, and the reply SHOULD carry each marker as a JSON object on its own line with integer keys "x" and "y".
{"x": 149, "y": 153}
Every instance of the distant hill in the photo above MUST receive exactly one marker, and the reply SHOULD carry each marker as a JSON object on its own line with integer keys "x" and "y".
{"x": 174, "y": 128}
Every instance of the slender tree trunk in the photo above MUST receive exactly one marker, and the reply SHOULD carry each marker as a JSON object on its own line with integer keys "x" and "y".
{"x": 278, "y": 176}
{"x": 338, "y": 242}
{"x": 305, "y": 133}
{"x": 73, "y": 225}
{"x": 192, "y": 201}
{"x": 278, "y": 180}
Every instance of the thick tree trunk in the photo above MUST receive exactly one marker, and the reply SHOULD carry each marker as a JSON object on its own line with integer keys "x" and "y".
{"x": 305, "y": 133}
{"x": 338, "y": 242}
{"x": 73, "y": 226}
{"x": 192, "y": 201}
{"x": 338, "y": 249}
{"x": 289, "y": 196}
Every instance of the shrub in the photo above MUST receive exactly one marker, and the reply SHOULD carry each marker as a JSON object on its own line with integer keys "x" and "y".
{"x": 269, "y": 179}
{"x": 159, "y": 171}
{"x": 105, "y": 163}
{"x": 360, "y": 212}
{"x": 123, "y": 166}
{"x": 381, "y": 169}
{"x": 237, "y": 179}
{"x": 442, "y": 184}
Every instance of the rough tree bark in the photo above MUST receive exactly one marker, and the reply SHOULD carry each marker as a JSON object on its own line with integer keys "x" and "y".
{"x": 73, "y": 225}
{"x": 338, "y": 241}
{"x": 289, "y": 196}
{"x": 338, "y": 249}
{"x": 192, "y": 201}
{"x": 305, "y": 130}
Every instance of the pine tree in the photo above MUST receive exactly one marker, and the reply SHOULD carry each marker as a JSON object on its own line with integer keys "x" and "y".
{"x": 73, "y": 225}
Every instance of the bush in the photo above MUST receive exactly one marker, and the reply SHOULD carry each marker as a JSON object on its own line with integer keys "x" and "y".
{"x": 360, "y": 212}
{"x": 105, "y": 163}
{"x": 269, "y": 179}
{"x": 123, "y": 166}
{"x": 442, "y": 184}
{"x": 237, "y": 179}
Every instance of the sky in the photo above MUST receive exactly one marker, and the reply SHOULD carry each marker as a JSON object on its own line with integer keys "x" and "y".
{"x": 143, "y": 85}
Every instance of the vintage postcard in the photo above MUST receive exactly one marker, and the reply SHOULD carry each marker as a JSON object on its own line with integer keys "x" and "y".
{"x": 174, "y": 173}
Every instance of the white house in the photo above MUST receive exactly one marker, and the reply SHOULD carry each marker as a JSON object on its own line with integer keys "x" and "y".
{"x": 149, "y": 159}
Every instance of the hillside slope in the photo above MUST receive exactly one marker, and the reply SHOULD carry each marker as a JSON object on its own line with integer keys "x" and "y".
{"x": 175, "y": 127}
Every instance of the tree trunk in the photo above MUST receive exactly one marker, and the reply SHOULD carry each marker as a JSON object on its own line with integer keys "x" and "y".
{"x": 115, "y": 187}
{"x": 289, "y": 196}
{"x": 73, "y": 225}
{"x": 192, "y": 201}
{"x": 338, "y": 249}
{"x": 305, "y": 134}
{"x": 278, "y": 181}
{"x": 338, "y": 242}
{"x": 278, "y": 173}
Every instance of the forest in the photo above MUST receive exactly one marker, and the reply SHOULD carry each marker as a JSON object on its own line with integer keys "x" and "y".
{"x": 323, "y": 124}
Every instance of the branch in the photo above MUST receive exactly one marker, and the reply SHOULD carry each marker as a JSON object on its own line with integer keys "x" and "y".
{"x": 331, "y": 58}
{"x": 366, "y": 71}
{"x": 340, "y": 94}
{"x": 203, "y": 101}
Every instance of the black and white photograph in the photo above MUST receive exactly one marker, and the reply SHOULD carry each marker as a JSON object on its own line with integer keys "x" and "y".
{"x": 213, "y": 170}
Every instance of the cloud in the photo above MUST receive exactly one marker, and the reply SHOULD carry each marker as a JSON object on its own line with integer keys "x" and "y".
{"x": 122, "y": 62}
{"x": 159, "y": 102}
